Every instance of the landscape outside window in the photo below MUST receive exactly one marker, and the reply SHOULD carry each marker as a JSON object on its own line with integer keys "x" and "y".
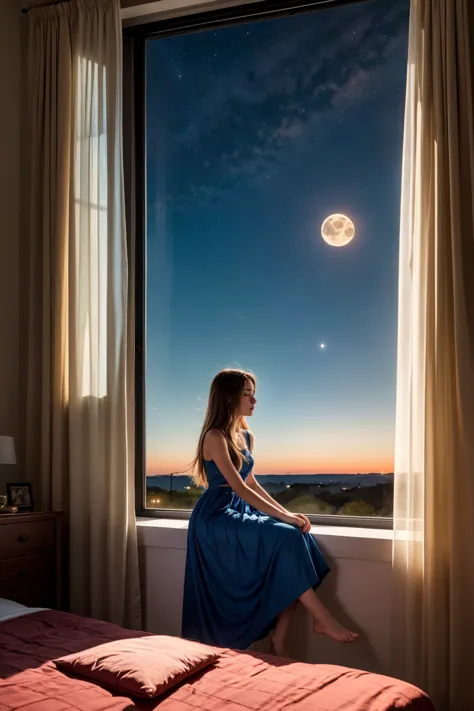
{"x": 256, "y": 134}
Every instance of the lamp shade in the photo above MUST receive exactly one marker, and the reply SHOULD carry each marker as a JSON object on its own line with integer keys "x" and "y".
{"x": 7, "y": 450}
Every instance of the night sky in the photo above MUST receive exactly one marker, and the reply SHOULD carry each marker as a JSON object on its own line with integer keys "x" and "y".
{"x": 255, "y": 134}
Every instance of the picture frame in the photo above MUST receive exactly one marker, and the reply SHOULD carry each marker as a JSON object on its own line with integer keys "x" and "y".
{"x": 20, "y": 494}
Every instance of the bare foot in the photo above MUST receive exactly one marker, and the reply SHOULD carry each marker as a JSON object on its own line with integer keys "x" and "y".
{"x": 332, "y": 628}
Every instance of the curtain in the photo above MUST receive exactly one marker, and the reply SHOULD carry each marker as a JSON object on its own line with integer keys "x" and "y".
{"x": 433, "y": 559}
{"x": 79, "y": 433}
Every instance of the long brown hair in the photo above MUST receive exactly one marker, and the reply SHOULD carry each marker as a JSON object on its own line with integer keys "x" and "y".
{"x": 224, "y": 400}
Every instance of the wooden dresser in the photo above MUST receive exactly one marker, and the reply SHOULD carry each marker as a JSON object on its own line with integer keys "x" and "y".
{"x": 30, "y": 558}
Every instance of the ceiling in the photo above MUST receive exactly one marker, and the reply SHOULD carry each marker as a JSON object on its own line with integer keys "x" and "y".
{"x": 136, "y": 11}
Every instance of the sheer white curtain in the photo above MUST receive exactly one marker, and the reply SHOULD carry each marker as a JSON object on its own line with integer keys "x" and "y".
{"x": 433, "y": 561}
{"x": 78, "y": 357}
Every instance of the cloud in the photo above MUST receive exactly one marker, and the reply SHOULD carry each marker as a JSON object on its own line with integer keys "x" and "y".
{"x": 288, "y": 130}
{"x": 271, "y": 100}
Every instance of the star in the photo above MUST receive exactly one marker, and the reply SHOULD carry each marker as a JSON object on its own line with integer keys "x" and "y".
{"x": 322, "y": 346}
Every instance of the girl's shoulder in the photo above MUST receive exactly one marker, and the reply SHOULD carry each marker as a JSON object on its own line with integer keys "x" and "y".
{"x": 214, "y": 434}
{"x": 212, "y": 441}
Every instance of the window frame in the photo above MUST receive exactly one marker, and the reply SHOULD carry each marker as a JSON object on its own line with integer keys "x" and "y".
{"x": 135, "y": 41}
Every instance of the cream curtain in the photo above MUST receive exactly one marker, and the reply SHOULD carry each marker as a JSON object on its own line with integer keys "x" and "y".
{"x": 433, "y": 558}
{"x": 78, "y": 433}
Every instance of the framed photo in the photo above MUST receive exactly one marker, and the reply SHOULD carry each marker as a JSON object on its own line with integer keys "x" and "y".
{"x": 20, "y": 495}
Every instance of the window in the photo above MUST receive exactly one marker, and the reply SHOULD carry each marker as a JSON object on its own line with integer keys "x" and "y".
{"x": 256, "y": 133}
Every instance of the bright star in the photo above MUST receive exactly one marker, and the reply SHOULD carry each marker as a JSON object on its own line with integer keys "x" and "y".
{"x": 322, "y": 346}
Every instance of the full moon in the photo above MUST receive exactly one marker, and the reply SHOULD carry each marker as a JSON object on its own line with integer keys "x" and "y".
{"x": 337, "y": 230}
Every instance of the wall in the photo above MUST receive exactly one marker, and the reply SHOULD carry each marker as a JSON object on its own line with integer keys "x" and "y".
{"x": 357, "y": 591}
{"x": 10, "y": 81}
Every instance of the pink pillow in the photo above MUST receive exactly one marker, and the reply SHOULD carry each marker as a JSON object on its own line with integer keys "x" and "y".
{"x": 143, "y": 666}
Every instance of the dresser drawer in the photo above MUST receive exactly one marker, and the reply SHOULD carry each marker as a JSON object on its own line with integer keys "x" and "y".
{"x": 29, "y": 580}
{"x": 28, "y": 538}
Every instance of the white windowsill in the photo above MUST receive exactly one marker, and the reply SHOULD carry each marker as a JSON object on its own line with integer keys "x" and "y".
{"x": 335, "y": 541}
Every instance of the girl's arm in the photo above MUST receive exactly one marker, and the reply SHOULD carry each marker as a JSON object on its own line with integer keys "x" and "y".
{"x": 253, "y": 484}
{"x": 216, "y": 445}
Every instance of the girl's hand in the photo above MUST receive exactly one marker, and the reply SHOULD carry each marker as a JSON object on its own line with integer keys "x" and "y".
{"x": 306, "y": 523}
{"x": 293, "y": 520}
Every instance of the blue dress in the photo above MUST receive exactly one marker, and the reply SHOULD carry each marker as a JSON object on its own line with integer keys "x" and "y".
{"x": 242, "y": 567}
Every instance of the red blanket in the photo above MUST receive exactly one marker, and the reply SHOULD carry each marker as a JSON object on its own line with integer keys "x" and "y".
{"x": 240, "y": 681}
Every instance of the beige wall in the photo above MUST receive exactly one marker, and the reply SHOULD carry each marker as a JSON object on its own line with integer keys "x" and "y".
{"x": 10, "y": 75}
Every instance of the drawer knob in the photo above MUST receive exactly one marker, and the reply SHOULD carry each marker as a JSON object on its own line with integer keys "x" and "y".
{"x": 22, "y": 538}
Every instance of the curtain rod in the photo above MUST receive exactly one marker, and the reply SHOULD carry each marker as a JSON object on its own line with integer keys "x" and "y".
{"x": 25, "y": 10}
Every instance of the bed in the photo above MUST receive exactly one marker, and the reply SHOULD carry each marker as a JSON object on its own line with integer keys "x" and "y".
{"x": 30, "y": 639}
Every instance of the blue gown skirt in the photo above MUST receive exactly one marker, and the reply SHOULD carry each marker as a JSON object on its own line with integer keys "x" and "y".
{"x": 243, "y": 568}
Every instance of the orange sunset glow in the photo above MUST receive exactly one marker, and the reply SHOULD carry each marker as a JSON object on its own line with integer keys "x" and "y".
{"x": 341, "y": 465}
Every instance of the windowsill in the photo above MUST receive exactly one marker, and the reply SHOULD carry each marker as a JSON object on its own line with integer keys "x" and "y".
{"x": 336, "y": 542}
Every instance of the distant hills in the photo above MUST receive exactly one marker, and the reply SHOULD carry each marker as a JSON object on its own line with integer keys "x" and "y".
{"x": 274, "y": 483}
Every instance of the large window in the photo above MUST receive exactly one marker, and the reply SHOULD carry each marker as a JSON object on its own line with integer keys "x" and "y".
{"x": 256, "y": 134}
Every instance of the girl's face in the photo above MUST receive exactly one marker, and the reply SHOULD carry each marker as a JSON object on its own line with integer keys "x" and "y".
{"x": 247, "y": 400}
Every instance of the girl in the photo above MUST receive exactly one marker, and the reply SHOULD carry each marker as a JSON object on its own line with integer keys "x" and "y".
{"x": 249, "y": 560}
